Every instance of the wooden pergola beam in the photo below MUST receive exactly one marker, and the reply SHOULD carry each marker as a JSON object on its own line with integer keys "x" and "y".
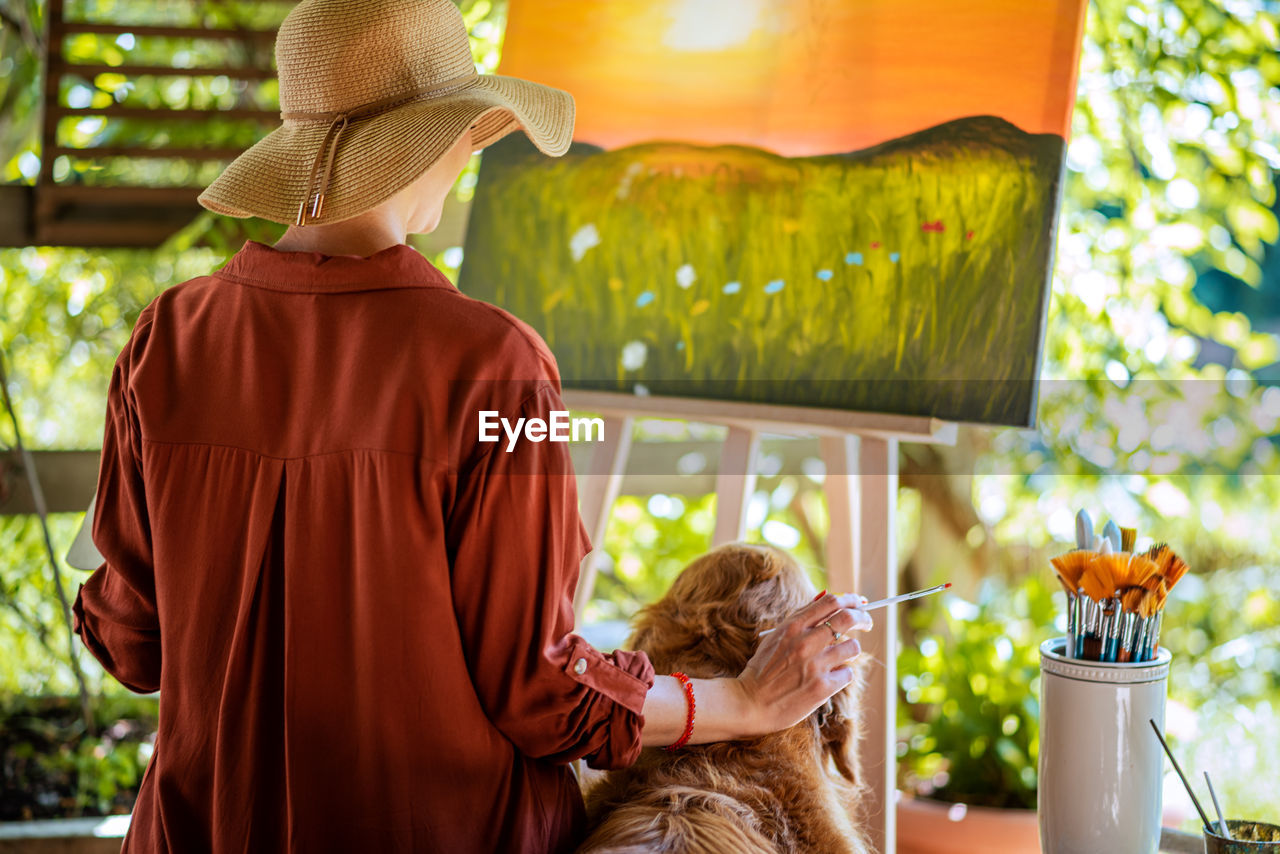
{"x": 241, "y": 72}
{"x": 168, "y": 32}
{"x": 155, "y": 153}
{"x": 60, "y": 111}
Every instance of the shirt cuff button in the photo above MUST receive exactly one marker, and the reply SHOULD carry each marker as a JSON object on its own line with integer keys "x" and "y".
{"x": 580, "y": 666}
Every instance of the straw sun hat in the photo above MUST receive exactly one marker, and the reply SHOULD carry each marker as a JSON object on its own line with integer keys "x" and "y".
{"x": 372, "y": 93}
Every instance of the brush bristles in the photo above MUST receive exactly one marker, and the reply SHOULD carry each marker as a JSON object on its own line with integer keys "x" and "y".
{"x": 1169, "y": 568}
{"x": 1138, "y": 570}
{"x": 1101, "y": 575}
{"x": 1070, "y": 566}
{"x": 1068, "y": 590}
{"x": 1177, "y": 568}
{"x": 1128, "y": 536}
{"x": 1127, "y": 591}
{"x": 1161, "y": 595}
{"x": 1131, "y": 598}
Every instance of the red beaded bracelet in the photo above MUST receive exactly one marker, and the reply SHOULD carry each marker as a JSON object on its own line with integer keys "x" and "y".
{"x": 687, "y": 684}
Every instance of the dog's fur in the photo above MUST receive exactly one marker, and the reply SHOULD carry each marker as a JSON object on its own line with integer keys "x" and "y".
{"x": 793, "y": 791}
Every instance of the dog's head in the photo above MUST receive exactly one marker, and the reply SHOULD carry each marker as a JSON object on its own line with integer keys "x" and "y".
{"x": 707, "y": 626}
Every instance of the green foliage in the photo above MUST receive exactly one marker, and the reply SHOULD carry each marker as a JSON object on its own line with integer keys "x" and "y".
{"x": 33, "y": 640}
{"x": 1223, "y": 629}
{"x": 651, "y": 538}
{"x": 968, "y": 726}
{"x": 969, "y": 730}
{"x": 52, "y": 768}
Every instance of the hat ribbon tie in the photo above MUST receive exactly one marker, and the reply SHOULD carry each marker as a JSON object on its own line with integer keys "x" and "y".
{"x": 338, "y": 123}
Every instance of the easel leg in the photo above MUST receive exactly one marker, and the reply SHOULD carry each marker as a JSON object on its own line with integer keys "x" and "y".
{"x": 598, "y": 492}
{"x": 861, "y": 487}
{"x": 878, "y": 571}
{"x": 733, "y": 490}
{"x": 840, "y": 458}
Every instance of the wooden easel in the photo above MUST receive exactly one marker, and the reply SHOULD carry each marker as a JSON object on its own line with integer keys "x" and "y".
{"x": 860, "y": 452}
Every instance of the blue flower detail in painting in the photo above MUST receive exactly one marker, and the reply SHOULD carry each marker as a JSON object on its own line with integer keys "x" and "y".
{"x": 774, "y": 286}
{"x": 853, "y": 258}
{"x": 644, "y": 299}
{"x": 732, "y": 287}
{"x": 825, "y": 275}
{"x": 894, "y": 256}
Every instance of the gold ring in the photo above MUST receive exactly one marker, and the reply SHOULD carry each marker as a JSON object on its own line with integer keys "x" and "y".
{"x": 836, "y": 637}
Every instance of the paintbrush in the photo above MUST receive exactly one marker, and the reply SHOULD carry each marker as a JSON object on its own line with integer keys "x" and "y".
{"x": 1115, "y": 598}
{"x": 916, "y": 594}
{"x": 1222, "y": 821}
{"x": 892, "y": 600}
{"x": 1070, "y": 567}
{"x": 1176, "y": 767}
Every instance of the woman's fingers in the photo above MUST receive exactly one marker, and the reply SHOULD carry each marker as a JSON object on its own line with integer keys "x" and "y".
{"x": 844, "y": 616}
{"x": 849, "y": 619}
{"x": 839, "y": 653}
{"x": 816, "y": 611}
{"x": 851, "y": 600}
{"x": 804, "y": 662}
{"x": 838, "y": 678}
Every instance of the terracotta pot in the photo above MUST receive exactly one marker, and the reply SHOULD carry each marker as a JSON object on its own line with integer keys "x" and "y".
{"x": 937, "y": 827}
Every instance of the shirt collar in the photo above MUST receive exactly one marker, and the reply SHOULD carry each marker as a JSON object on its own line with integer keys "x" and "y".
{"x": 398, "y": 266}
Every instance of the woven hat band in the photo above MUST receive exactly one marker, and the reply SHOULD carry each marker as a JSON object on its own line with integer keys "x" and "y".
{"x": 384, "y": 104}
{"x": 338, "y": 123}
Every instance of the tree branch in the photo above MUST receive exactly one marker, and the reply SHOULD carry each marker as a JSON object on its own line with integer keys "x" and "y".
{"x": 22, "y": 26}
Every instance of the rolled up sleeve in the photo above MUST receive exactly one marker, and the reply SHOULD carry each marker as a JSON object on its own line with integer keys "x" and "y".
{"x": 516, "y": 543}
{"x": 114, "y": 612}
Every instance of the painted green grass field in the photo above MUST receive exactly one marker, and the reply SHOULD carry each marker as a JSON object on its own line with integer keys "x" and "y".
{"x": 910, "y": 277}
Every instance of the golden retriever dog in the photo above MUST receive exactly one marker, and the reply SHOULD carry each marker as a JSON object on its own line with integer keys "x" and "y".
{"x": 794, "y": 791}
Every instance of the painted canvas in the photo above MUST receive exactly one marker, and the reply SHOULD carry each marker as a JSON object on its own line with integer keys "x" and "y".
{"x": 844, "y": 204}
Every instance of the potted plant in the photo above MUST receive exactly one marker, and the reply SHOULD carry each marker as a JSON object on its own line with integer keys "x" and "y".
{"x": 968, "y": 730}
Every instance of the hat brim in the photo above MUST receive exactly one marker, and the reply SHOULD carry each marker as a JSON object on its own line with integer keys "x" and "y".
{"x": 379, "y": 155}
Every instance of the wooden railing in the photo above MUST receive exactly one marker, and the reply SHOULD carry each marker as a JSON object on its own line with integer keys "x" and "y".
{"x": 72, "y": 213}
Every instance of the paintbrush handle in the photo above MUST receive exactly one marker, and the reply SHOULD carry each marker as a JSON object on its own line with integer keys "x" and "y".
{"x": 1176, "y": 767}
{"x": 1222, "y": 822}
{"x": 892, "y": 600}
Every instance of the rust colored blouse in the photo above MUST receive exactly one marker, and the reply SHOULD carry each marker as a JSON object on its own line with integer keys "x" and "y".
{"x": 359, "y": 616}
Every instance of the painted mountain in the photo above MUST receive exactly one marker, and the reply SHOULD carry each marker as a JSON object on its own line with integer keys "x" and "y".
{"x": 702, "y": 241}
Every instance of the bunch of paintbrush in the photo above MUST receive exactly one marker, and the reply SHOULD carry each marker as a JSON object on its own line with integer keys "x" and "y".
{"x": 1115, "y": 597}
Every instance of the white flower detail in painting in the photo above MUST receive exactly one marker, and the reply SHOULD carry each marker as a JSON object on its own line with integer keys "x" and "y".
{"x": 624, "y": 186}
{"x": 582, "y": 240}
{"x": 685, "y": 275}
{"x": 633, "y": 355}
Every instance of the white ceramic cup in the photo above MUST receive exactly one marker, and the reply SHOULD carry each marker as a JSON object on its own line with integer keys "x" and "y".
{"x": 1101, "y": 766}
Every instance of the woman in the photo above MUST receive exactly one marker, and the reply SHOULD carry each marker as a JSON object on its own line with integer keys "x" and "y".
{"x": 358, "y": 615}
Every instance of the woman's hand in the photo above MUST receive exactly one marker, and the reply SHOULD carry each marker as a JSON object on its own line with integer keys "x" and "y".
{"x": 797, "y": 667}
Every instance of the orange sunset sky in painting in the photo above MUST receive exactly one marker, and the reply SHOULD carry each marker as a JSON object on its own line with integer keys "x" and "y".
{"x": 797, "y": 77}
